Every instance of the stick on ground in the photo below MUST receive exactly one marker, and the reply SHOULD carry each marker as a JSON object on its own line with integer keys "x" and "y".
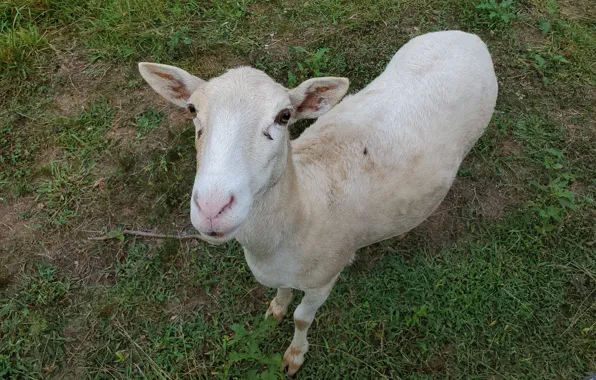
{"x": 147, "y": 234}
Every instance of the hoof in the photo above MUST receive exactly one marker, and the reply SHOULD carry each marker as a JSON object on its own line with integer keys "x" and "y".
{"x": 276, "y": 310}
{"x": 293, "y": 359}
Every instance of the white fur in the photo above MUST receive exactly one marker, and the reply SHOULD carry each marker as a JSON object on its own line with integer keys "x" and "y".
{"x": 372, "y": 167}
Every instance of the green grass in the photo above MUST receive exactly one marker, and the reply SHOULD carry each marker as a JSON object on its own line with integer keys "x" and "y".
{"x": 499, "y": 283}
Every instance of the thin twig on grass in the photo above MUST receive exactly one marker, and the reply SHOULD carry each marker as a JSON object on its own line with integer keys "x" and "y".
{"x": 146, "y": 234}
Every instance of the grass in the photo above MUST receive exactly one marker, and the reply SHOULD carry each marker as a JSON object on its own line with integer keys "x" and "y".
{"x": 498, "y": 283}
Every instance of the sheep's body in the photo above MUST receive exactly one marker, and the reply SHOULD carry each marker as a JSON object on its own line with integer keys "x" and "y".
{"x": 374, "y": 166}
{"x": 377, "y": 164}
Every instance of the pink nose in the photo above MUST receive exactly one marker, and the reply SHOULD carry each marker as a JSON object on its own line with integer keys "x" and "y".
{"x": 213, "y": 207}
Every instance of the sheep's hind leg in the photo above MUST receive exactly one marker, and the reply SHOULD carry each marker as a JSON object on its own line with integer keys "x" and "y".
{"x": 278, "y": 308}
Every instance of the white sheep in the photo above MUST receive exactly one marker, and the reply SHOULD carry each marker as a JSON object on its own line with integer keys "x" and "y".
{"x": 372, "y": 167}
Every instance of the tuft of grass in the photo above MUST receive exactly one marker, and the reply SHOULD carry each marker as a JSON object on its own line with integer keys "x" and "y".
{"x": 31, "y": 325}
{"x": 84, "y": 135}
{"x": 19, "y": 50}
{"x": 148, "y": 121}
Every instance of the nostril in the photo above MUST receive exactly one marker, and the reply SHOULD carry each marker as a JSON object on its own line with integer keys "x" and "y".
{"x": 228, "y": 205}
{"x": 195, "y": 199}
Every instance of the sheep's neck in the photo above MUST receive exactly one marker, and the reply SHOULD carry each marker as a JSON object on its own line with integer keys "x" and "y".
{"x": 275, "y": 216}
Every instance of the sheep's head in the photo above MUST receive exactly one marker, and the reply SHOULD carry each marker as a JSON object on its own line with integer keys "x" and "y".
{"x": 241, "y": 120}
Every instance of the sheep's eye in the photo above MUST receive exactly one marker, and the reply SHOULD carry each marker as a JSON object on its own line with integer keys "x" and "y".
{"x": 283, "y": 117}
{"x": 192, "y": 109}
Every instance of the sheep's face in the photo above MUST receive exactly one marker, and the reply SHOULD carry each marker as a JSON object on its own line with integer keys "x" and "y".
{"x": 241, "y": 120}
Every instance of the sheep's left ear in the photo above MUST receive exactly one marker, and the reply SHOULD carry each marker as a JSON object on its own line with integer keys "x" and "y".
{"x": 316, "y": 96}
{"x": 173, "y": 83}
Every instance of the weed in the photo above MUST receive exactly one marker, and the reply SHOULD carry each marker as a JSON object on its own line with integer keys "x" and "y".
{"x": 180, "y": 36}
{"x": 116, "y": 234}
{"x": 245, "y": 346}
{"x": 545, "y": 26}
{"x": 314, "y": 65}
{"x": 556, "y": 199}
{"x": 499, "y": 13}
{"x": 416, "y": 317}
{"x": 547, "y": 66}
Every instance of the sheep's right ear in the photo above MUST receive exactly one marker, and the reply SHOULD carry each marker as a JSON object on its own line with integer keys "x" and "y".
{"x": 174, "y": 84}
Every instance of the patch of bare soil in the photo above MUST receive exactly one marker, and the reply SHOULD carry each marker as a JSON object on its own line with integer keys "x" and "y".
{"x": 178, "y": 119}
{"x": 579, "y": 121}
{"x": 439, "y": 361}
{"x": 124, "y": 133}
{"x": 87, "y": 260}
{"x": 489, "y": 201}
{"x": 46, "y": 156}
{"x": 444, "y": 224}
{"x": 20, "y": 236}
{"x": 77, "y": 88}
{"x": 257, "y": 300}
{"x": 492, "y": 202}
{"x": 529, "y": 37}
{"x": 13, "y": 226}
{"x": 24, "y": 241}
{"x": 510, "y": 147}
{"x": 21, "y": 232}
{"x": 78, "y": 82}
{"x": 194, "y": 299}
{"x": 130, "y": 103}
{"x": 216, "y": 63}
{"x": 78, "y": 334}
{"x": 578, "y": 9}
{"x": 368, "y": 257}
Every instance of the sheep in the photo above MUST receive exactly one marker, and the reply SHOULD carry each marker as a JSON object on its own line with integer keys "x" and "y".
{"x": 372, "y": 167}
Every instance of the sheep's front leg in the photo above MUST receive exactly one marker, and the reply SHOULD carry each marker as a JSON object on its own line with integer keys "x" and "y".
{"x": 303, "y": 317}
{"x": 279, "y": 305}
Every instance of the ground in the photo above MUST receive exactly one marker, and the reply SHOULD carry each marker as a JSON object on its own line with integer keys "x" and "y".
{"x": 500, "y": 283}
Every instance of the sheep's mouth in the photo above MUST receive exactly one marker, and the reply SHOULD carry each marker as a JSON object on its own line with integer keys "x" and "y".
{"x": 216, "y": 234}
{"x": 219, "y": 237}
